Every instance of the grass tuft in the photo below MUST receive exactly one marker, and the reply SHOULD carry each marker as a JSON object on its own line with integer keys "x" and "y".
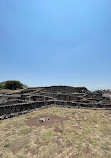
{"x": 25, "y": 131}
{"x": 20, "y": 157}
{"x": 6, "y": 145}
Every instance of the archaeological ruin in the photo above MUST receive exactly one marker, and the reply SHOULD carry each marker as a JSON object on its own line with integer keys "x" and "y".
{"x": 27, "y": 100}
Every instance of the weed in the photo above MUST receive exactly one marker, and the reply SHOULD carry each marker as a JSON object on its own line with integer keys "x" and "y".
{"x": 6, "y": 145}
{"x": 68, "y": 129}
{"x": 28, "y": 116}
{"x": 46, "y": 137}
{"x": 7, "y": 140}
{"x": 27, "y": 146}
{"x": 57, "y": 125}
{"x": 61, "y": 129}
{"x": 106, "y": 146}
{"x": 20, "y": 157}
{"x": 25, "y": 131}
{"x": 87, "y": 131}
{"x": 17, "y": 124}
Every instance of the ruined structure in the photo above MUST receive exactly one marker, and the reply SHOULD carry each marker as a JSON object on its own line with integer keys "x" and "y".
{"x": 13, "y": 104}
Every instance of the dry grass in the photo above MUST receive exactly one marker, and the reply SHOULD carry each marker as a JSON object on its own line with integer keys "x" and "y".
{"x": 70, "y": 133}
{"x": 9, "y": 90}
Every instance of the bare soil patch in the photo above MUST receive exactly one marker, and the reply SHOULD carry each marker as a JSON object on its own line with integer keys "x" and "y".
{"x": 86, "y": 149}
{"x": 53, "y": 119}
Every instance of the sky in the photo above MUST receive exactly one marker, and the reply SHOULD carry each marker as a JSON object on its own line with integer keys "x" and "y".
{"x": 56, "y": 42}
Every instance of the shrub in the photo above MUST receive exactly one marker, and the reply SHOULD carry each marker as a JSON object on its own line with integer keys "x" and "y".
{"x": 1, "y": 86}
{"x": 13, "y": 85}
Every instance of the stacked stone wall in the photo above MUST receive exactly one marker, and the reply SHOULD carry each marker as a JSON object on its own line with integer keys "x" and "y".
{"x": 14, "y": 104}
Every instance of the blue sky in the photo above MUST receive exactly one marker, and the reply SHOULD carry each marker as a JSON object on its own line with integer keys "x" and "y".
{"x": 56, "y": 42}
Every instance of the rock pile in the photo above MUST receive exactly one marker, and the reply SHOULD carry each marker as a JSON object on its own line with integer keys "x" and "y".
{"x": 44, "y": 119}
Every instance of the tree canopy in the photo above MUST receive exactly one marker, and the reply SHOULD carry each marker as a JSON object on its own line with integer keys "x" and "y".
{"x": 13, "y": 85}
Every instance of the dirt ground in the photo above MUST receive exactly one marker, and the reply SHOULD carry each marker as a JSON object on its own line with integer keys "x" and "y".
{"x": 70, "y": 133}
{"x": 3, "y": 91}
{"x": 52, "y": 119}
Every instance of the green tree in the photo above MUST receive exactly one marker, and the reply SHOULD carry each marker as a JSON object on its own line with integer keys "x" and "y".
{"x": 13, "y": 85}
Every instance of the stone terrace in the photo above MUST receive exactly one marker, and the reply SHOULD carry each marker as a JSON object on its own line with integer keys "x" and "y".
{"x": 13, "y": 104}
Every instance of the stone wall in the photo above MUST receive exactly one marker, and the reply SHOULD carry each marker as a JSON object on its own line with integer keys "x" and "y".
{"x": 17, "y": 109}
{"x": 27, "y": 100}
